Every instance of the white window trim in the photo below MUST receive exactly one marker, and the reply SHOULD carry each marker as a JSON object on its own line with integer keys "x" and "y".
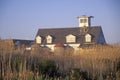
{"x": 38, "y": 40}
{"x": 49, "y": 39}
{"x": 88, "y": 38}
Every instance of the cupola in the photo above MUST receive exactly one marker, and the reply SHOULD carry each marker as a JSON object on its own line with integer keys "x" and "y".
{"x": 84, "y": 21}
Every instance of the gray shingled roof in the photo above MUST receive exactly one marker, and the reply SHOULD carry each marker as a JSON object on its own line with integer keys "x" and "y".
{"x": 22, "y": 42}
{"x": 59, "y": 34}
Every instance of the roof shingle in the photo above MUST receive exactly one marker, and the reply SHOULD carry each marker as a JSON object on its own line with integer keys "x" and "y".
{"x": 59, "y": 34}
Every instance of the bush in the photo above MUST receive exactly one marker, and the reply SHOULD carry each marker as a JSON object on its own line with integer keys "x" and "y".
{"x": 47, "y": 67}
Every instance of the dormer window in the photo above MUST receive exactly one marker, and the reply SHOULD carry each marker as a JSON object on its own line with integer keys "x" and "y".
{"x": 38, "y": 40}
{"x": 70, "y": 38}
{"x": 49, "y": 39}
{"x": 88, "y": 38}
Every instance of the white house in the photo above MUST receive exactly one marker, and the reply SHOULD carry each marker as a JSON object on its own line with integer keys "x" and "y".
{"x": 75, "y": 37}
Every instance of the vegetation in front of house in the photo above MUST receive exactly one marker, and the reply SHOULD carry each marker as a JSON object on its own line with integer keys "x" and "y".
{"x": 100, "y": 63}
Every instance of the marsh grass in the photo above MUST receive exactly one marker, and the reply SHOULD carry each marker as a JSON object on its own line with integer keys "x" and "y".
{"x": 96, "y": 63}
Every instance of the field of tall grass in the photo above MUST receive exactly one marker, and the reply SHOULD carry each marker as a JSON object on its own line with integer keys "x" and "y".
{"x": 95, "y": 63}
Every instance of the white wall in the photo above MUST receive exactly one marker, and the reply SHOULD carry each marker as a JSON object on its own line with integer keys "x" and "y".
{"x": 51, "y": 46}
{"x": 75, "y": 46}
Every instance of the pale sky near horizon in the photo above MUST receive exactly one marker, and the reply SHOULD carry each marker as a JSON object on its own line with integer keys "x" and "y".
{"x": 21, "y": 19}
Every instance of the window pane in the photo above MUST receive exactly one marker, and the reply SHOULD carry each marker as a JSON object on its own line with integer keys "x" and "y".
{"x": 83, "y": 20}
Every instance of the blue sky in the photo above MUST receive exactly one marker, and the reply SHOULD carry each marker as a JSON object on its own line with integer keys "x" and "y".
{"x": 21, "y": 19}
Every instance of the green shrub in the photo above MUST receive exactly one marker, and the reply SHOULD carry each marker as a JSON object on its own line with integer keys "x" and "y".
{"x": 47, "y": 67}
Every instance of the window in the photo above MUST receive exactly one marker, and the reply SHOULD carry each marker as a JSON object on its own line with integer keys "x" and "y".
{"x": 49, "y": 39}
{"x": 87, "y": 38}
{"x": 38, "y": 40}
{"x": 83, "y": 20}
{"x": 70, "y": 38}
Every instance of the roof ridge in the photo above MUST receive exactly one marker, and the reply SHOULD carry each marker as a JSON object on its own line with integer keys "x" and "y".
{"x": 65, "y": 27}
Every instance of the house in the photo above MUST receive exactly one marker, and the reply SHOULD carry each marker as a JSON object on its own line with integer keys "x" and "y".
{"x": 23, "y": 43}
{"x": 75, "y": 37}
{"x": 10, "y": 45}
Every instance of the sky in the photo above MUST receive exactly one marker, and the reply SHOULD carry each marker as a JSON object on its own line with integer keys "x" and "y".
{"x": 21, "y": 19}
